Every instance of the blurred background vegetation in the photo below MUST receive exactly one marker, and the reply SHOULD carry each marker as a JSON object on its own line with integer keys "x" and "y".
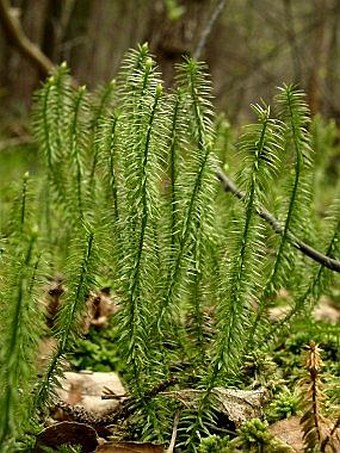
{"x": 254, "y": 46}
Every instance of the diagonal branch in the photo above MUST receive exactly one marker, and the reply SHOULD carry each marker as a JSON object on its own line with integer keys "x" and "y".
{"x": 208, "y": 29}
{"x": 18, "y": 38}
{"x": 330, "y": 263}
{"x": 174, "y": 433}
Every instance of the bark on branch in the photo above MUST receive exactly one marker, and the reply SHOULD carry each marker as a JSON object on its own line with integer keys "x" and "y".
{"x": 330, "y": 263}
{"x": 18, "y": 38}
{"x": 208, "y": 29}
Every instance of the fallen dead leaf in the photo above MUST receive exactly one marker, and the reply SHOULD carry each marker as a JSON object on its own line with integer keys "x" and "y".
{"x": 240, "y": 405}
{"x": 290, "y": 432}
{"x": 130, "y": 447}
{"x": 70, "y": 433}
{"x": 237, "y": 405}
{"x": 86, "y": 389}
{"x": 100, "y": 307}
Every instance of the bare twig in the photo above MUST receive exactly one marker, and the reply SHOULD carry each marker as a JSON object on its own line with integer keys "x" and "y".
{"x": 208, "y": 29}
{"x": 330, "y": 263}
{"x": 174, "y": 433}
{"x": 17, "y": 35}
{"x": 18, "y": 38}
{"x": 127, "y": 407}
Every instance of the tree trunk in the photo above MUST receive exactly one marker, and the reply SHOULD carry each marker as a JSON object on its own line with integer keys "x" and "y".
{"x": 22, "y": 76}
{"x": 318, "y": 64}
{"x": 171, "y": 39}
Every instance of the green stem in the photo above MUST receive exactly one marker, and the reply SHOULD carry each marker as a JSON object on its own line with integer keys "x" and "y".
{"x": 270, "y": 287}
{"x": 75, "y": 152}
{"x": 12, "y": 352}
{"x": 134, "y": 290}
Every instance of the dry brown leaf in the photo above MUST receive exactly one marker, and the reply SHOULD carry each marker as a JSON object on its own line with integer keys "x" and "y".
{"x": 100, "y": 307}
{"x": 130, "y": 447}
{"x": 53, "y": 299}
{"x": 240, "y": 405}
{"x": 71, "y": 433}
{"x": 86, "y": 389}
{"x": 290, "y": 432}
{"x": 237, "y": 405}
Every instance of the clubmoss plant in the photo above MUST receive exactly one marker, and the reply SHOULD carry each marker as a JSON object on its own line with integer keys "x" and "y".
{"x": 21, "y": 322}
{"x": 130, "y": 195}
{"x": 312, "y": 419}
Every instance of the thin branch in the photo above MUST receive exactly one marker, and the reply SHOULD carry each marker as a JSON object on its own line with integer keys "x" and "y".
{"x": 127, "y": 407}
{"x": 174, "y": 433}
{"x": 208, "y": 29}
{"x": 18, "y": 38}
{"x": 330, "y": 263}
